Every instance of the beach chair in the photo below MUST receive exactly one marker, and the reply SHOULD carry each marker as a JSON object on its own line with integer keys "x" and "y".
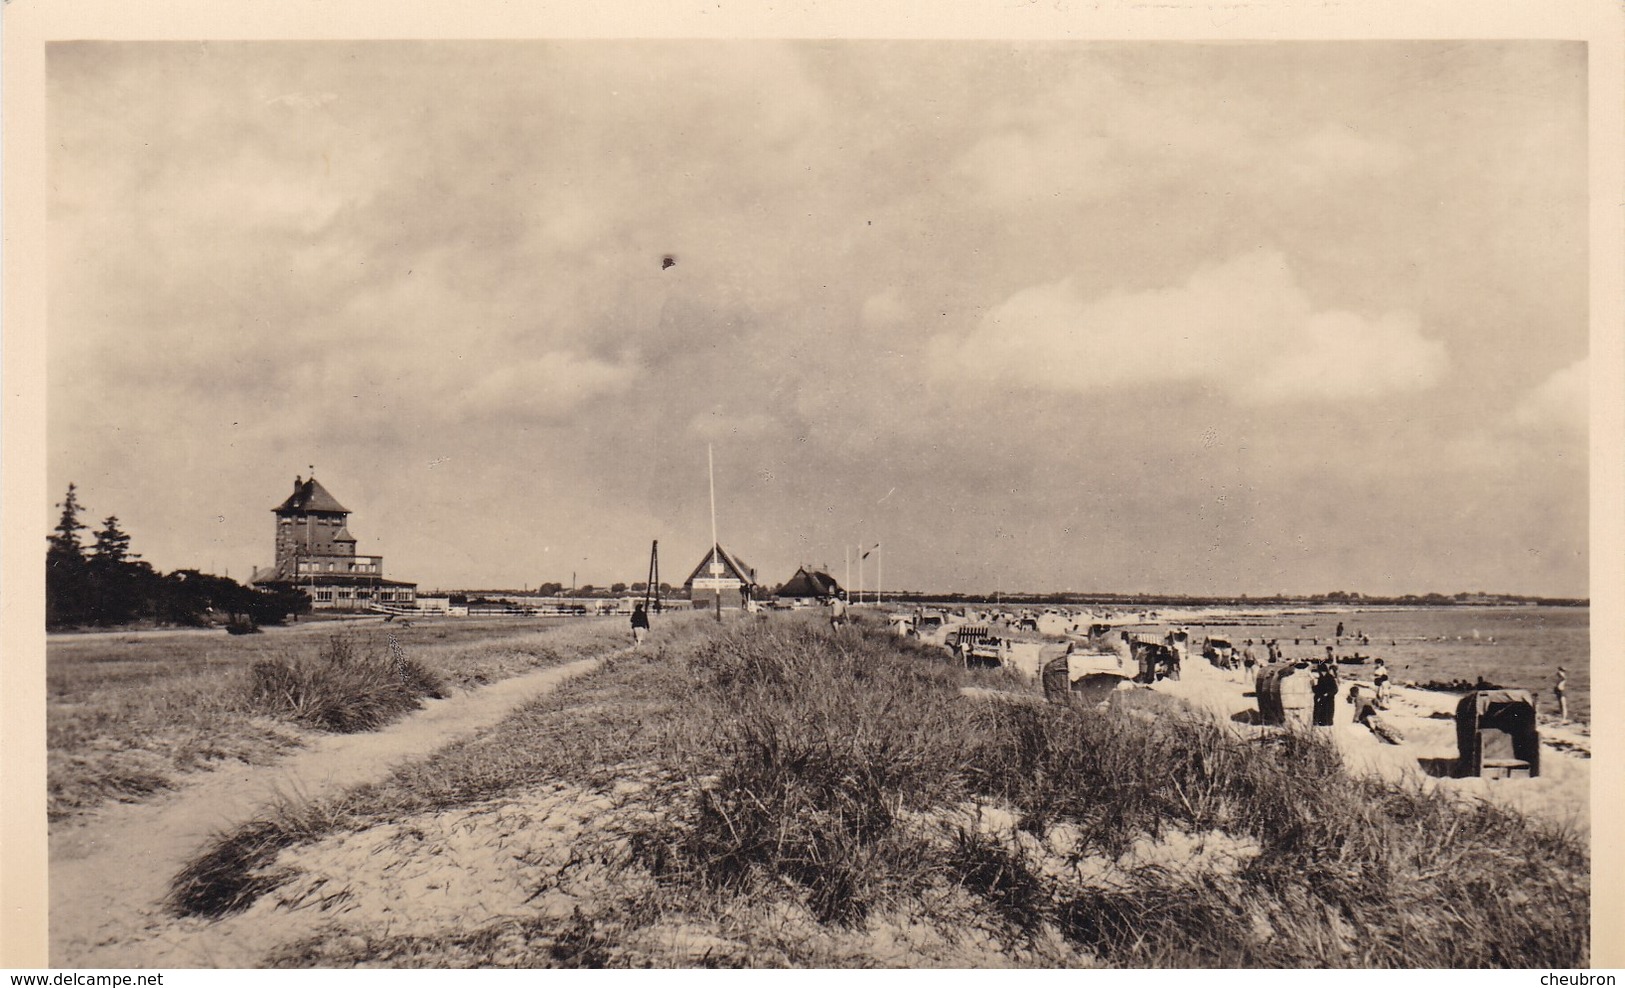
{"x": 1285, "y": 695}
{"x": 968, "y": 635}
{"x": 1093, "y": 684}
{"x": 1497, "y": 736}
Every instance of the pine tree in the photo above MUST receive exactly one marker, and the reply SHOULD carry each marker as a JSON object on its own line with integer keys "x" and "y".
{"x": 112, "y": 547}
{"x": 67, "y": 587}
{"x": 65, "y": 550}
{"x": 116, "y": 577}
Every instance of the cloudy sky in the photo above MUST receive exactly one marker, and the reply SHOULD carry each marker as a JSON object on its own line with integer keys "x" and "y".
{"x": 1204, "y": 318}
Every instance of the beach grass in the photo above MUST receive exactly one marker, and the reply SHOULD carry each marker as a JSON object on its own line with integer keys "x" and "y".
{"x": 129, "y": 716}
{"x": 775, "y": 769}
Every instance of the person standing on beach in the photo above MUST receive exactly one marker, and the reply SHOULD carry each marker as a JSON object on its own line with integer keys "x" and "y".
{"x": 1379, "y": 678}
{"x": 1324, "y": 689}
{"x": 1560, "y": 691}
{"x": 1249, "y": 662}
{"x": 640, "y": 625}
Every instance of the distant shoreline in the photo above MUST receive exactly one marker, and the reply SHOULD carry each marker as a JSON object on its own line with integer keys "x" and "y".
{"x": 1315, "y": 604}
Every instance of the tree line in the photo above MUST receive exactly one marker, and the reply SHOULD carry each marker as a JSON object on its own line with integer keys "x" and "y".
{"x": 106, "y": 584}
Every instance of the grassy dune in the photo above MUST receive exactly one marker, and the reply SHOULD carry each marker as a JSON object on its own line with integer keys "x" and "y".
{"x": 126, "y": 717}
{"x": 767, "y": 794}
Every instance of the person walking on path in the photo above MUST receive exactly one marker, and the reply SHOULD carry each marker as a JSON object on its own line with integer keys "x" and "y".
{"x": 640, "y": 625}
{"x": 837, "y": 611}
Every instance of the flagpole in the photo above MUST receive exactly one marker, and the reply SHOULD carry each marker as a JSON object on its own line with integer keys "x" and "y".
{"x": 846, "y": 551}
{"x": 716, "y": 564}
{"x": 880, "y": 559}
{"x": 861, "y": 556}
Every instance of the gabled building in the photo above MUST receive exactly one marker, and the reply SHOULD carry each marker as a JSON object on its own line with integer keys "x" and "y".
{"x": 315, "y": 553}
{"x": 809, "y": 584}
{"x": 720, "y": 574}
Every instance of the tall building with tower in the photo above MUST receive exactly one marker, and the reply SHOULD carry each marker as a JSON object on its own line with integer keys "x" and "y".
{"x": 315, "y": 553}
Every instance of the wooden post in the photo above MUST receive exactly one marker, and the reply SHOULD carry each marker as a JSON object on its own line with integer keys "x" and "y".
{"x": 861, "y": 557}
{"x": 651, "y": 590}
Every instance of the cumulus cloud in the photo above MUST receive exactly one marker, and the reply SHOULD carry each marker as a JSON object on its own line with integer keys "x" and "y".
{"x": 1562, "y": 401}
{"x": 1243, "y": 328}
{"x": 1333, "y": 151}
{"x": 1016, "y": 165}
{"x": 1069, "y": 148}
{"x": 302, "y": 101}
{"x": 387, "y": 278}
{"x": 719, "y": 423}
{"x": 548, "y": 386}
{"x": 885, "y": 310}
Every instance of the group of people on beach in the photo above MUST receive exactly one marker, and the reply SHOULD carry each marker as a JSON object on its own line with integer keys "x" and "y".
{"x": 1325, "y": 687}
{"x": 1325, "y": 682}
{"x": 1246, "y": 661}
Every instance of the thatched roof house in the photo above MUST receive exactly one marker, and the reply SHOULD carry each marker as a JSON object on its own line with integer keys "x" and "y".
{"x": 809, "y": 583}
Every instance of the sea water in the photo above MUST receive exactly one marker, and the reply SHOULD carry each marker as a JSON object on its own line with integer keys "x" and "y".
{"x": 1516, "y": 647}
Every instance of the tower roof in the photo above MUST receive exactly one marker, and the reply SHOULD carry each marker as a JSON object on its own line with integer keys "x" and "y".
{"x": 310, "y": 495}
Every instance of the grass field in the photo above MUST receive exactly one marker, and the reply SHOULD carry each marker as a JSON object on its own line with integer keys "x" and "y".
{"x": 765, "y": 794}
{"x": 127, "y": 715}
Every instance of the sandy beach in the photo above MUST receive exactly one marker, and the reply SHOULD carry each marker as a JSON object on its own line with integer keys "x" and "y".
{"x": 1426, "y": 720}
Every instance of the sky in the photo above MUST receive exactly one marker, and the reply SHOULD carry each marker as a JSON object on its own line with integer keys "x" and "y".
{"x": 1139, "y": 317}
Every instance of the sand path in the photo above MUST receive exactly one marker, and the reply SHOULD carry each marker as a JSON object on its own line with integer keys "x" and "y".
{"x": 70, "y": 639}
{"x": 110, "y": 871}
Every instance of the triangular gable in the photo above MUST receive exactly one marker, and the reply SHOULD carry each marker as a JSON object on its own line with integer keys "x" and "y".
{"x": 311, "y": 496}
{"x": 732, "y": 568}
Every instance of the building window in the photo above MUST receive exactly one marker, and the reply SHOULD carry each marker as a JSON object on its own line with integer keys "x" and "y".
{"x": 324, "y": 596}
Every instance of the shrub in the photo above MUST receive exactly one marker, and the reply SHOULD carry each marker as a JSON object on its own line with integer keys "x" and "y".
{"x": 778, "y": 761}
{"x": 826, "y": 744}
{"x": 340, "y": 689}
{"x": 232, "y": 872}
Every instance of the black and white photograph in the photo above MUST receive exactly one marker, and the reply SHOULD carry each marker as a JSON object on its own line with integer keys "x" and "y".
{"x": 804, "y": 502}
